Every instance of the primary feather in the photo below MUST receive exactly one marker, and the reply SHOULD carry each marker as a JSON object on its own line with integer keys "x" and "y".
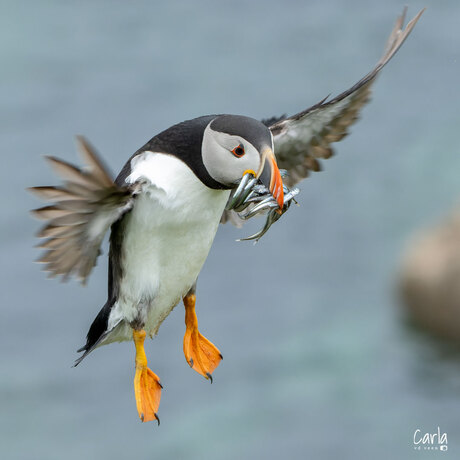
{"x": 303, "y": 139}
{"x": 84, "y": 208}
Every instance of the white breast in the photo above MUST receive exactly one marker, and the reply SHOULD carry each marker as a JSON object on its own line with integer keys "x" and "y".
{"x": 168, "y": 236}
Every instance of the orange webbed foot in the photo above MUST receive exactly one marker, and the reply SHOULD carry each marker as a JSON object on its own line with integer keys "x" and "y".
{"x": 201, "y": 354}
{"x": 147, "y": 386}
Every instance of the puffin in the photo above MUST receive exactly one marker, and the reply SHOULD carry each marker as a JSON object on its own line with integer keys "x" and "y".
{"x": 165, "y": 206}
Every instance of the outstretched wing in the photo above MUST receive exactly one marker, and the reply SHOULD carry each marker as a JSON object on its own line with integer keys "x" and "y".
{"x": 85, "y": 206}
{"x": 302, "y": 139}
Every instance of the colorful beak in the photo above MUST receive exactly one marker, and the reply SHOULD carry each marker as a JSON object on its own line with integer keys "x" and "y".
{"x": 270, "y": 176}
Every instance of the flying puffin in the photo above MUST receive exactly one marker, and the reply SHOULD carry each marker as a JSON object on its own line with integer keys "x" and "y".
{"x": 164, "y": 209}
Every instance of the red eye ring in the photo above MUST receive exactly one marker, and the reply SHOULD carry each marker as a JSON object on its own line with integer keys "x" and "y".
{"x": 238, "y": 151}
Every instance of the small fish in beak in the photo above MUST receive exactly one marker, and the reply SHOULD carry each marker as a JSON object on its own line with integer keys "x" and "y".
{"x": 244, "y": 191}
{"x": 252, "y": 197}
{"x": 268, "y": 205}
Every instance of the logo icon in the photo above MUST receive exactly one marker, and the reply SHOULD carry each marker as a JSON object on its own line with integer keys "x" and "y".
{"x": 430, "y": 441}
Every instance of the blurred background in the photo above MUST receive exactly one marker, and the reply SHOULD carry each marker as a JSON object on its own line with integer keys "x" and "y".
{"x": 320, "y": 360}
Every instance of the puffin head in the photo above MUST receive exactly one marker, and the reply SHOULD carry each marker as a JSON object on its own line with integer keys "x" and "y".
{"x": 234, "y": 145}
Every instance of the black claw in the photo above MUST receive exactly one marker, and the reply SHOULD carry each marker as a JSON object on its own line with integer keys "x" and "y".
{"x": 191, "y": 362}
{"x": 221, "y": 357}
{"x": 142, "y": 417}
{"x": 158, "y": 418}
{"x": 209, "y": 376}
{"x": 161, "y": 386}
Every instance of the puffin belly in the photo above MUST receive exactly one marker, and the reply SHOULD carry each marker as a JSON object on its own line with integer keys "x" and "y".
{"x": 168, "y": 235}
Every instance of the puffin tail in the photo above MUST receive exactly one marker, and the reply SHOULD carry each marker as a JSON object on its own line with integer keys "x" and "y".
{"x": 97, "y": 332}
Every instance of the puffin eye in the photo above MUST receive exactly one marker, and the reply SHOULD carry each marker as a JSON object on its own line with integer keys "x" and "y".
{"x": 238, "y": 151}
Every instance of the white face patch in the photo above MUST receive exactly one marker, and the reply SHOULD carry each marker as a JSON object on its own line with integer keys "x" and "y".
{"x": 218, "y": 159}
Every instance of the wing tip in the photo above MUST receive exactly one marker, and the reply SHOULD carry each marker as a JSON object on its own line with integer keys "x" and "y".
{"x": 398, "y": 36}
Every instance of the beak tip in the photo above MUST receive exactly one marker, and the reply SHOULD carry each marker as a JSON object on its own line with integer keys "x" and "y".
{"x": 273, "y": 179}
{"x": 279, "y": 192}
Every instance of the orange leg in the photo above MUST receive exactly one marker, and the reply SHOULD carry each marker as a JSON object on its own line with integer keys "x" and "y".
{"x": 199, "y": 352}
{"x": 147, "y": 386}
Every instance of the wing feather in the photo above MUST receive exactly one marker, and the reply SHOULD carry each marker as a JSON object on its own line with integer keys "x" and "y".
{"x": 84, "y": 207}
{"x": 303, "y": 139}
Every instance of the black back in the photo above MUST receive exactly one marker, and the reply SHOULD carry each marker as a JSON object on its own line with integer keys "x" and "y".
{"x": 184, "y": 141}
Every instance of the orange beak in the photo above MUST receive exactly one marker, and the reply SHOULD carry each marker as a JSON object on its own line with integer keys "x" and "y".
{"x": 270, "y": 176}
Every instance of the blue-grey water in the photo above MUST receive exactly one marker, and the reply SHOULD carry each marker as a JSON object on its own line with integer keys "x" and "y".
{"x": 318, "y": 360}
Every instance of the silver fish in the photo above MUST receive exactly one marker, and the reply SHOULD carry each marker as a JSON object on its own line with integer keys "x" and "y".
{"x": 254, "y": 198}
